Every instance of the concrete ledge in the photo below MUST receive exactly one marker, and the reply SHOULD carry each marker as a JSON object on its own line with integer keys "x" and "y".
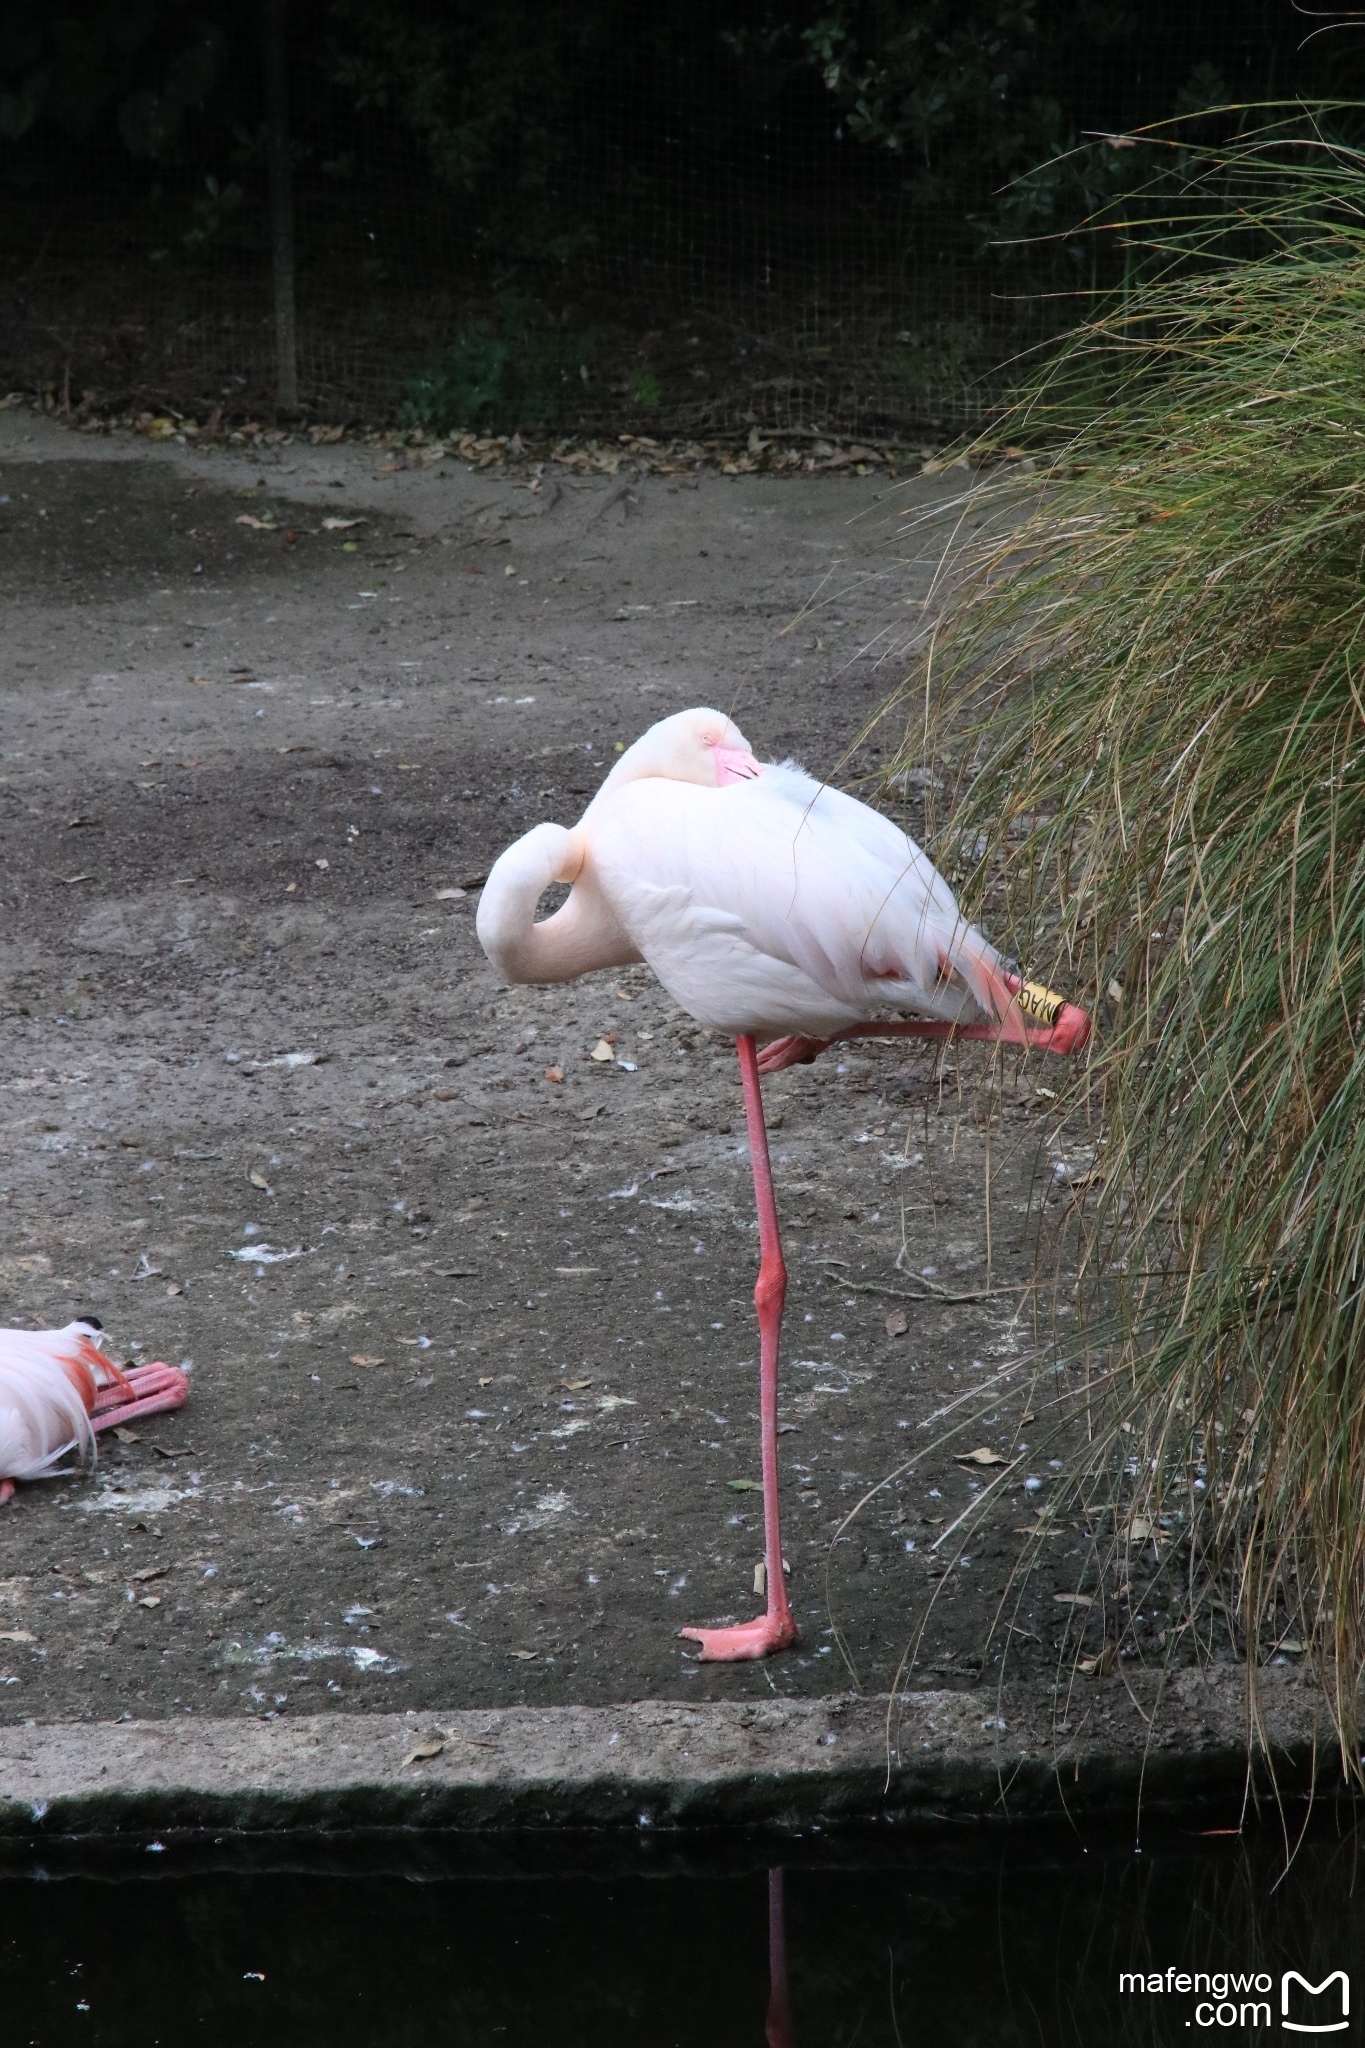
{"x": 666, "y": 1765}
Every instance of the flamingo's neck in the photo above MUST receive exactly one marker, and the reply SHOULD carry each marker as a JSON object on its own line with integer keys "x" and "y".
{"x": 582, "y": 935}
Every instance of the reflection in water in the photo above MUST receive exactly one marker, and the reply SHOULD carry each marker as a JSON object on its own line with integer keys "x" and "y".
{"x": 779, "y": 2027}
{"x": 964, "y": 1938}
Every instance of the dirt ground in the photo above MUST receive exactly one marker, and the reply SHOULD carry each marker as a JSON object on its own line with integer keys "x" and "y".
{"x": 473, "y": 1355}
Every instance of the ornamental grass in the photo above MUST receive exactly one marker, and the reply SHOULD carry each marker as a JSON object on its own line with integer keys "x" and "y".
{"x": 1145, "y": 689}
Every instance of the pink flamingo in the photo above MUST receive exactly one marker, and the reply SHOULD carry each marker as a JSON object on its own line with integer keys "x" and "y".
{"x": 770, "y": 906}
{"x": 57, "y": 1389}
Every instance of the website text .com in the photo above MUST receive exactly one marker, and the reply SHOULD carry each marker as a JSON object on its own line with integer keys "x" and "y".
{"x": 1242, "y": 1998}
{"x": 1225, "y": 1996}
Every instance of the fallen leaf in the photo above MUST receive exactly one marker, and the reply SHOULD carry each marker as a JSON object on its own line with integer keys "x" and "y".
{"x": 16, "y": 1635}
{"x": 625, "y": 994}
{"x": 258, "y": 1180}
{"x": 150, "y": 1600}
{"x": 897, "y": 1323}
{"x": 601, "y": 1051}
{"x": 1073, "y": 1599}
{"x": 745, "y": 1485}
{"x": 574, "y": 1386}
{"x": 554, "y": 1073}
{"x": 574, "y": 1272}
{"x": 450, "y": 895}
{"x": 165, "y": 1451}
{"x": 322, "y": 864}
{"x": 361, "y": 1358}
{"x": 419, "y": 1753}
{"x": 260, "y": 525}
{"x": 983, "y": 1455}
{"x": 151, "y": 1571}
{"x": 1102, "y": 1666}
{"x": 1291, "y": 1645}
{"x": 290, "y": 887}
{"x": 486, "y": 1380}
{"x": 334, "y": 525}
{"x": 760, "y": 1578}
{"x": 295, "y": 747}
{"x": 70, "y": 881}
{"x": 526, "y": 1656}
{"x": 175, "y": 1288}
{"x": 445, "y": 1094}
{"x": 1028, "y": 1416}
{"x": 1139, "y": 1529}
{"x": 127, "y": 1436}
{"x": 1115, "y": 991}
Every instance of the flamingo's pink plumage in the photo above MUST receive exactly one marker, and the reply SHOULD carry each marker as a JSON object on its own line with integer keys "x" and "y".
{"x": 769, "y": 905}
{"x": 57, "y": 1389}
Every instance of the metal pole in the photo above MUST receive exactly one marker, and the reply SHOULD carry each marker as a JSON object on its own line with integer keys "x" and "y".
{"x": 281, "y": 207}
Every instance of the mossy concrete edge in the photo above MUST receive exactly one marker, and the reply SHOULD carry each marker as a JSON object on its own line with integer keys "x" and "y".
{"x": 1095, "y": 1749}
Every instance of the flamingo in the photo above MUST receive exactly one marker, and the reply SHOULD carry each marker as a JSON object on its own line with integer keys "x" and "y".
{"x": 773, "y": 907}
{"x": 57, "y": 1389}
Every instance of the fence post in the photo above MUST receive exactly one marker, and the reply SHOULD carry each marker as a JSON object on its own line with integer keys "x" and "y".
{"x": 281, "y": 207}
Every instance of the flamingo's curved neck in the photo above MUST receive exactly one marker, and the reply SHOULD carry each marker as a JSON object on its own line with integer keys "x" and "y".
{"x": 582, "y": 935}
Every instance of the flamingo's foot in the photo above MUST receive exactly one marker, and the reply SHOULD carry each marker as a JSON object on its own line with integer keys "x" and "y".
{"x": 751, "y": 1639}
{"x": 149, "y": 1390}
{"x": 7, "y": 1490}
{"x": 1041, "y": 1019}
{"x": 790, "y": 1052}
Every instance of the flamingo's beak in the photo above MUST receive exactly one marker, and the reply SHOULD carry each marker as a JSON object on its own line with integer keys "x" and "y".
{"x": 736, "y": 764}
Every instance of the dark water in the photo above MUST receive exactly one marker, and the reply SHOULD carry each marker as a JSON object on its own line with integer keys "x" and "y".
{"x": 955, "y": 1939}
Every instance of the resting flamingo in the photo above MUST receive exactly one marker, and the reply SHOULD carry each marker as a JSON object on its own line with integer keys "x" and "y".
{"x": 770, "y": 906}
{"x": 57, "y": 1389}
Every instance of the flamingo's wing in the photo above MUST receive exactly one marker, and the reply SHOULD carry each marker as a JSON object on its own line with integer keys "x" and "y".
{"x": 794, "y": 885}
{"x": 48, "y": 1380}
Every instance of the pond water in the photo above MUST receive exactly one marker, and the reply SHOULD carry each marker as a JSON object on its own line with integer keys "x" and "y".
{"x": 956, "y": 1938}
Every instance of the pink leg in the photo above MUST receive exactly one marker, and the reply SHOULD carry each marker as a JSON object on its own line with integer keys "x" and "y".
{"x": 6, "y": 1491}
{"x": 1066, "y": 1034}
{"x": 778, "y": 2030}
{"x": 775, "y": 1630}
{"x": 151, "y": 1390}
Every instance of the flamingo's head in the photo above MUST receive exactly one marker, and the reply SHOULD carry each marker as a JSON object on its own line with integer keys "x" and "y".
{"x": 693, "y": 746}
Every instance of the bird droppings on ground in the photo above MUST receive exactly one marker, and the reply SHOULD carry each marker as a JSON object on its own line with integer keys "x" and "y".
{"x": 390, "y": 1489}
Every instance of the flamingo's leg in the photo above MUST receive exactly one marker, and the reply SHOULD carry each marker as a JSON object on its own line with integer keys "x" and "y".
{"x": 778, "y": 2029}
{"x": 149, "y": 1390}
{"x": 6, "y": 1491}
{"x": 1067, "y": 1033}
{"x": 790, "y": 1052}
{"x": 775, "y": 1630}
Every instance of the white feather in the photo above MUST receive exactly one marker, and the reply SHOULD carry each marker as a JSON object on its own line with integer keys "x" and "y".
{"x": 781, "y": 905}
{"x": 43, "y": 1412}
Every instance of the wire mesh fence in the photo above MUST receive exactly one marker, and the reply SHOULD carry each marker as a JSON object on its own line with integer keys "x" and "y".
{"x": 840, "y": 219}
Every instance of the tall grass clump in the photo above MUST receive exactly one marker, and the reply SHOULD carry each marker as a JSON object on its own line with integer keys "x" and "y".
{"x": 1149, "y": 678}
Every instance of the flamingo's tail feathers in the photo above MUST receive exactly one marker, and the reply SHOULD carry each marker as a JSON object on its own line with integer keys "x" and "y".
{"x": 983, "y": 970}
